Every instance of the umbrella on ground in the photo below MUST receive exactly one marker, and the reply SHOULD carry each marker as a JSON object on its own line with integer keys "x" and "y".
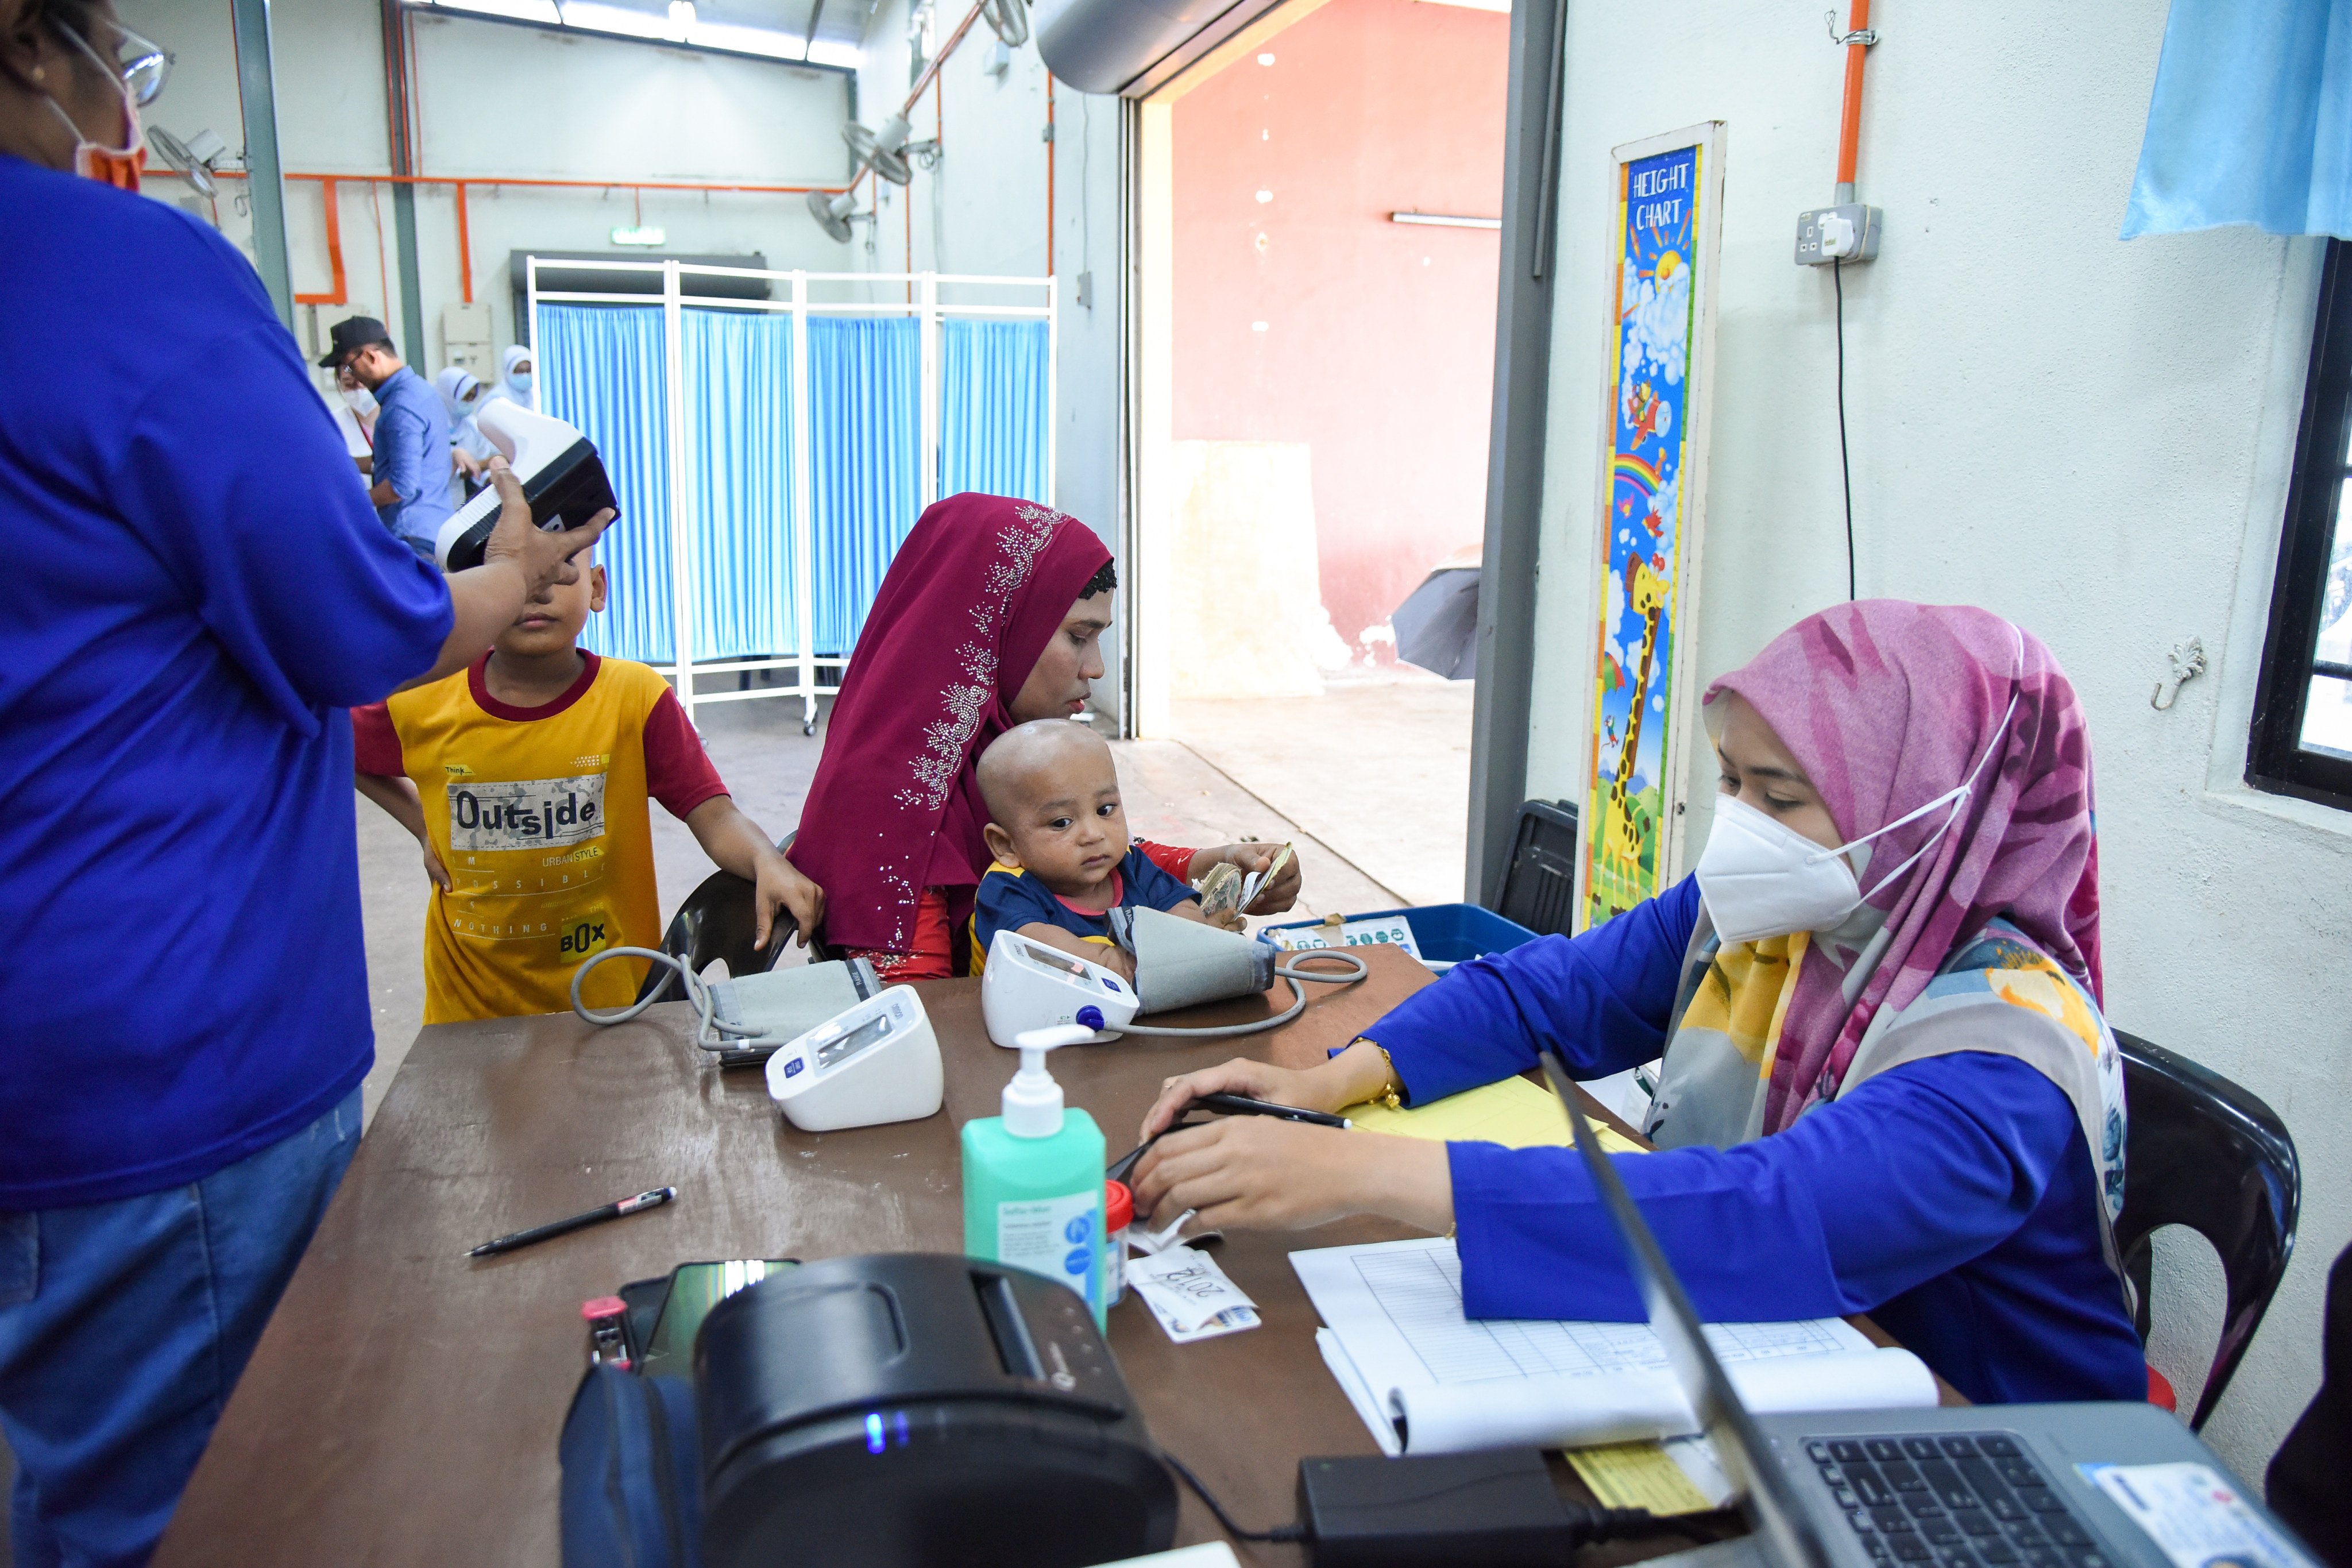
{"x": 1437, "y": 625}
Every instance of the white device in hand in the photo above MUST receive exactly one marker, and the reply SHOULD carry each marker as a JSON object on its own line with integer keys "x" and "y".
{"x": 560, "y": 474}
{"x": 1028, "y": 986}
{"x": 877, "y": 1061}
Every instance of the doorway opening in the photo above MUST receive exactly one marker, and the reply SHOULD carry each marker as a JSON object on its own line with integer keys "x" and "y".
{"x": 1318, "y": 227}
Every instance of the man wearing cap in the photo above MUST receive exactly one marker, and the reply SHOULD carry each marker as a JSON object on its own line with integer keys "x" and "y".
{"x": 410, "y": 465}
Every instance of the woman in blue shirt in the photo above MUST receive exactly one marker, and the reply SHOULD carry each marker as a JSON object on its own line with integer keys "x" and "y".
{"x": 191, "y": 605}
{"x": 1886, "y": 1086}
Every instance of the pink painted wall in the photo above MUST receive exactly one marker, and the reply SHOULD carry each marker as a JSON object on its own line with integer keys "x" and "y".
{"x": 1378, "y": 349}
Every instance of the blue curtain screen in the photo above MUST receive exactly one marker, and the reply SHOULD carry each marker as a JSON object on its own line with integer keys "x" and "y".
{"x": 994, "y": 377}
{"x": 604, "y": 369}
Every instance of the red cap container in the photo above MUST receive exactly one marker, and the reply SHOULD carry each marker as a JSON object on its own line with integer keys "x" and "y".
{"x": 1118, "y": 1208}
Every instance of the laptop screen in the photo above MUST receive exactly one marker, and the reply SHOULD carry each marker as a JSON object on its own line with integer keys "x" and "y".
{"x": 1764, "y": 1492}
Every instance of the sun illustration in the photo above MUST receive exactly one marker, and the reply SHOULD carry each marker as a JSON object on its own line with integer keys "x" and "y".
{"x": 1669, "y": 263}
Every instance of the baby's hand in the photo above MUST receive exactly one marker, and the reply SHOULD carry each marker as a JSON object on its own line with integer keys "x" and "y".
{"x": 1230, "y": 920}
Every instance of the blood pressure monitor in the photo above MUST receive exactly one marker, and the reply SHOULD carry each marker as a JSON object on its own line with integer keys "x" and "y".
{"x": 1028, "y": 986}
{"x": 877, "y": 1061}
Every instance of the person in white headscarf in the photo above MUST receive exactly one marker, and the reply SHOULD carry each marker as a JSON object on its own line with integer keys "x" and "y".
{"x": 461, "y": 398}
{"x": 514, "y": 382}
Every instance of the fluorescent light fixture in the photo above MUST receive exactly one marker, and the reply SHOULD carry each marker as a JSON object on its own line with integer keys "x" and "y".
{"x": 1446, "y": 220}
{"x": 643, "y": 234}
{"x": 679, "y": 23}
{"x": 747, "y": 40}
{"x": 519, "y": 10}
{"x": 619, "y": 20}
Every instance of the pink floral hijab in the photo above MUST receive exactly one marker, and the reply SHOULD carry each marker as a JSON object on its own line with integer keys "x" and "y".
{"x": 1887, "y": 705}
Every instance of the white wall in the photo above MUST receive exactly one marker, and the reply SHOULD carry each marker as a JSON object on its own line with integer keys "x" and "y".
{"x": 2090, "y": 436}
{"x": 984, "y": 209}
{"x": 496, "y": 99}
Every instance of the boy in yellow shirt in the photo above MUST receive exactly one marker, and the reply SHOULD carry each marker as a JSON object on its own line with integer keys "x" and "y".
{"x": 526, "y": 778}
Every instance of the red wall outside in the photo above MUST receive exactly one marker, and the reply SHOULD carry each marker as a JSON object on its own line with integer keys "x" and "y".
{"x": 1380, "y": 340}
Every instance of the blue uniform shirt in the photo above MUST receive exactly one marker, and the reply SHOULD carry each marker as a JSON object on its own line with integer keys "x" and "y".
{"x": 1009, "y": 898}
{"x": 1952, "y": 1199}
{"x": 412, "y": 456}
{"x": 191, "y": 601}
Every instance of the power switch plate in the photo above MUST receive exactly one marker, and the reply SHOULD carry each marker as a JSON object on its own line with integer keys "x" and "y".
{"x": 1848, "y": 233}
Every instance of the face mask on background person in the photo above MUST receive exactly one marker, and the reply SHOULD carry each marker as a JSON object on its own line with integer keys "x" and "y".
{"x": 522, "y": 380}
{"x": 1760, "y": 878}
{"x": 359, "y": 401}
{"x": 116, "y": 166}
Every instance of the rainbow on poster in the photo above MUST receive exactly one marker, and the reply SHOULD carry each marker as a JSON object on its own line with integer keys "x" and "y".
{"x": 1652, "y": 358}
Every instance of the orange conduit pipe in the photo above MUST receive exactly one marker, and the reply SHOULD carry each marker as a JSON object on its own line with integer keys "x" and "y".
{"x": 335, "y": 295}
{"x": 1857, "y": 21}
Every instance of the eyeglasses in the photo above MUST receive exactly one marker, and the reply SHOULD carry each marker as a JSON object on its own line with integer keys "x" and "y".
{"x": 141, "y": 63}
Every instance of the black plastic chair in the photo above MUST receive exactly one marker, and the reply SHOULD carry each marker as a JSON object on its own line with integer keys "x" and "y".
{"x": 1539, "y": 890}
{"x": 2205, "y": 1153}
{"x": 719, "y": 921}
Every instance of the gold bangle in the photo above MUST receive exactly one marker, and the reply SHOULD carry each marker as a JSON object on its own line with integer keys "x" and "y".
{"x": 1388, "y": 1095}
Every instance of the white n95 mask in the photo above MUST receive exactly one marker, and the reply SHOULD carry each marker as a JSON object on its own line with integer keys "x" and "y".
{"x": 1760, "y": 878}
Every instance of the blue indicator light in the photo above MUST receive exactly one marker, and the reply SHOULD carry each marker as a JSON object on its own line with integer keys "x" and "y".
{"x": 874, "y": 1433}
{"x": 902, "y": 1428}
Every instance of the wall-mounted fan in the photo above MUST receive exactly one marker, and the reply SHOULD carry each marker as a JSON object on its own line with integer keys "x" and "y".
{"x": 1008, "y": 18}
{"x": 888, "y": 152}
{"x": 198, "y": 157}
{"x": 834, "y": 214}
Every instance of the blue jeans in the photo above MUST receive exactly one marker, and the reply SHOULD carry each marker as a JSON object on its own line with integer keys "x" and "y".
{"x": 123, "y": 1327}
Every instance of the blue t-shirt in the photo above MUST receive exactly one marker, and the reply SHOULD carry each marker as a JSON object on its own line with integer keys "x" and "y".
{"x": 412, "y": 456}
{"x": 194, "y": 592}
{"x": 1953, "y": 1199}
{"x": 1009, "y": 898}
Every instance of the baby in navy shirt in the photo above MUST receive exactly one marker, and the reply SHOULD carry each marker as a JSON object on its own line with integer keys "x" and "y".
{"x": 1062, "y": 856}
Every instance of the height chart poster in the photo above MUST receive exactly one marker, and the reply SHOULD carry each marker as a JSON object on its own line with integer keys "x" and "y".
{"x": 1664, "y": 245}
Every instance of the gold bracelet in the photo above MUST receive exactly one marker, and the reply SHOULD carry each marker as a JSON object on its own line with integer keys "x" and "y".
{"x": 1388, "y": 1095}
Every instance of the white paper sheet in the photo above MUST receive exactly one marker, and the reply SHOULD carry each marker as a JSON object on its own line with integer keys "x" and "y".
{"x": 1428, "y": 1380}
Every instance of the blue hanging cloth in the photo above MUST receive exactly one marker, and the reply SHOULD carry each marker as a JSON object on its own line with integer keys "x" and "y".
{"x": 602, "y": 365}
{"x": 2250, "y": 121}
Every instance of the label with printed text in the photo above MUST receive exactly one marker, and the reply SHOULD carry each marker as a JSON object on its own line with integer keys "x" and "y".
{"x": 525, "y": 814}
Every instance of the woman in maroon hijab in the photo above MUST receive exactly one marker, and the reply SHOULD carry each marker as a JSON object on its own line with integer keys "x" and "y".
{"x": 992, "y": 615}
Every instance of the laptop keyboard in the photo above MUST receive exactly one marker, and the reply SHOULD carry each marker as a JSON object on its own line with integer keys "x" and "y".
{"x": 1944, "y": 1501}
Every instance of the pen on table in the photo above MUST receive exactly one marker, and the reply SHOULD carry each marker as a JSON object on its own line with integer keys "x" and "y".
{"x": 652, "y": 1199}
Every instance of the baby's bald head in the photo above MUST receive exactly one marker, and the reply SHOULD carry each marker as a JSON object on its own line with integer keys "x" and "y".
{"x": 1053, "y": 804}
{"x": 1038, "y": 762}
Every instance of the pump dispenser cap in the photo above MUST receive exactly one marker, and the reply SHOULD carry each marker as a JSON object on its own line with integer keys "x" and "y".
{"x": 1033, "y": 1100}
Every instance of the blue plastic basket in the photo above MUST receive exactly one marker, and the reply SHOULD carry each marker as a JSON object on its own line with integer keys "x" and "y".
{"x": 1445, "y": 934}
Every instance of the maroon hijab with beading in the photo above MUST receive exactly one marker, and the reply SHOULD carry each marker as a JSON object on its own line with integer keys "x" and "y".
{"x": 1887, "y": 705}
{"x": 970, "y": 600}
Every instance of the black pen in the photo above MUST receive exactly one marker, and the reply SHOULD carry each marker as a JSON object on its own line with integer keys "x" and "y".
{"x": 654, "y": 1199}
{"x": 1242, "y": 1105}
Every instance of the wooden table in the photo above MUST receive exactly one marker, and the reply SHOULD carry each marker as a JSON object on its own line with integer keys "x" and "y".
{"x": 403, "y": 1402}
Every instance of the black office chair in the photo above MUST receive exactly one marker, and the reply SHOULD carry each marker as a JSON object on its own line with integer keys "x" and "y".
{"x": 1539, "y": 890}
{"x": 719, "y": 921}
{"x": 2203, "y": 1153}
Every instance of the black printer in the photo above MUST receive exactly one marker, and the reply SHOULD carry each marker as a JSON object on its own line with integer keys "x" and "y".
{"x": 919, "y": 1408}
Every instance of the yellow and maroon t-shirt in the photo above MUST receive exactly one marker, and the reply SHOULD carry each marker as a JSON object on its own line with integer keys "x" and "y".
{"x": 539, "y": 815}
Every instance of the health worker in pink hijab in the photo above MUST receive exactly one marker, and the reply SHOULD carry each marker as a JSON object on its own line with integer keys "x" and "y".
{"x": 1885, "y": 1084}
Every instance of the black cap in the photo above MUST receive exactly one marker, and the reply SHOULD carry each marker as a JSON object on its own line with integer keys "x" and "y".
{"x": 351, "y": 336}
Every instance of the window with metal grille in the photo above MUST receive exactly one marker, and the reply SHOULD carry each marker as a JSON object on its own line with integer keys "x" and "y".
{"x": 2301, "y": 740}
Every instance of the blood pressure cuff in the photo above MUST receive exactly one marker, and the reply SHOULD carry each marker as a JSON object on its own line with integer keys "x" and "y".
{"x": 632, "y": 1453}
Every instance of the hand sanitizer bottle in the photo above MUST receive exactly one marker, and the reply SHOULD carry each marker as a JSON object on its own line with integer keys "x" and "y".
{"x": 1033, "y": 1178}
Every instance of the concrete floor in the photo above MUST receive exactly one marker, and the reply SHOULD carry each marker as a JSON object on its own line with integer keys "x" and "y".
{"x": 1371, "y": 782}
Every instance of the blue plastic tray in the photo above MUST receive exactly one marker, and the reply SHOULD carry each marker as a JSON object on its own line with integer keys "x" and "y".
{"x": 1445, "y": 934}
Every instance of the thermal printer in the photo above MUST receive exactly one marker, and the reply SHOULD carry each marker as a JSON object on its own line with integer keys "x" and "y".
{"x": 919, "y": 1408}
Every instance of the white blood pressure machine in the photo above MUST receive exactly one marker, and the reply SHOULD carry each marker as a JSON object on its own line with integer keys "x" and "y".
{"x": 1178, "y": 964}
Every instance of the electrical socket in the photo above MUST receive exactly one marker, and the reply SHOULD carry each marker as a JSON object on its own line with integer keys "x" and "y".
{"x": 1846, "y": 232}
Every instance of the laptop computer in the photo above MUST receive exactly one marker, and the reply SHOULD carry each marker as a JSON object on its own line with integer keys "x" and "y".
{"x": 2003, "y": 1486}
